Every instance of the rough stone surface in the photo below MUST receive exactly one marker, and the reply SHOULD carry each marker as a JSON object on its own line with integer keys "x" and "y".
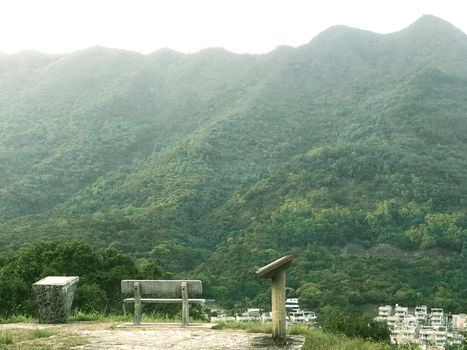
{"x": 54, "y": 301}
{"x": 181, "y": 338}
{"x": 170, "y": 336}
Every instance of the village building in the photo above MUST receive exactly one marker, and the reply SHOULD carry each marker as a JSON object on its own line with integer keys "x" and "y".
{"x": 433, "y": 328}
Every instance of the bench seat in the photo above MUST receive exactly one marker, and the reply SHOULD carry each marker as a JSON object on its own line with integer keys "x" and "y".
{"x": 163, "y": 292}
{"x": 164, "y": 301}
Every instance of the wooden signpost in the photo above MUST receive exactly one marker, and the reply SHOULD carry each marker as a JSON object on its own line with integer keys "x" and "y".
{"x": 276, "y": 271}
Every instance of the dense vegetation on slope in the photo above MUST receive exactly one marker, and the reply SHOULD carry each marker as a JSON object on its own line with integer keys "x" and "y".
{"x": 349, "y": 152}
{"x": 100, "y": 275}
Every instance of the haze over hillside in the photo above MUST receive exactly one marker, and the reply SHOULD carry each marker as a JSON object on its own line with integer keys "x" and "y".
{"x": 349, "y": 152}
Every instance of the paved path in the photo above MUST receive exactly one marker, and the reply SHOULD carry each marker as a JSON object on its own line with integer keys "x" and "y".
{"x": 163, "y": 336}
{"x": 171, "y": 337}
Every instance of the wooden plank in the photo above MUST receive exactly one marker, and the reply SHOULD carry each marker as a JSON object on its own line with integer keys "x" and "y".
{"x": 278, "y": 306}
{"x": 163, "y": 288}
{"x": 137, "y": 315}
{"x": 185, "y": 305}
{"x": 272, "y": 268}
{"x": 164, "y": 301}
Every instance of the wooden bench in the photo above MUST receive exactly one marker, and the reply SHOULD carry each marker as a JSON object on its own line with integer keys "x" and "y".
{"x": 162, "y": 291}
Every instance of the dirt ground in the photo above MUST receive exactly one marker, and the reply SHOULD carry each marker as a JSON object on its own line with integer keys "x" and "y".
{"x": 153, "y": 336}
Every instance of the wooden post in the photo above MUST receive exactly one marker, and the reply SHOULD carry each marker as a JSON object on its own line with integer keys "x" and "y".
{"x": 185, "y": 305}
{"x": 137, "y": 316}
{"x": 276, "y": 271}
{"x": 278, "y": 305}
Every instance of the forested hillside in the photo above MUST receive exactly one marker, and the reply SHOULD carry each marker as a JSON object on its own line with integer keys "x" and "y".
{"x": 349, "y": 152}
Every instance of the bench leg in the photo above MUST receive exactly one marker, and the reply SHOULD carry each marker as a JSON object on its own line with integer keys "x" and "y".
{"x": 185, "y": 305}
{"x": 137, "y": 316}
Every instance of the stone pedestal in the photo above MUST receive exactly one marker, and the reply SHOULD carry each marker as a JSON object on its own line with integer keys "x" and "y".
{"x": 54, "y": 295}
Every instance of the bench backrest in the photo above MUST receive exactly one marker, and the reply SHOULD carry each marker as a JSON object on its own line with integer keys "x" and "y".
{"x": 163, "y": 288}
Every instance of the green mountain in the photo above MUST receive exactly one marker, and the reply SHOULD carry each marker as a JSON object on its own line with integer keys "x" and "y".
{"x": 349, "y": 152}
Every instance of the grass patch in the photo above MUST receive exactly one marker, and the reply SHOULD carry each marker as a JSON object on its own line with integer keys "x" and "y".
{"x": 79, "y": 316}
{"x": 299, "y": 329}
{"x": 6, "y": 338}
{"x": 251, "y": 327}
{"x": 18, "y": 319}
{"x": 42, "y": 333}
{"x": 259, "y": 327}
{"x": 318, "y": 340}
{"x": 39, "y": 339}
{"x": 315, "y": 339}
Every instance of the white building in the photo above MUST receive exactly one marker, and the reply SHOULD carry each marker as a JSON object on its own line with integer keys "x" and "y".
{"x": 302, "y": 316}
{"x": 400, "y": 310}
{"x": 433, "y": 335}
{"x": 250, "y": 315}
{"x": 459, "y": 322}
{"x": 384, "y": 312}
{"x": 421, "y": 313}
{"x": 291, "y": 304}
{"x": 403, "y": 334}
{"x": 423, "y": 328}
{"x": 296, "y": 315}
{"x": 437, "y": 317}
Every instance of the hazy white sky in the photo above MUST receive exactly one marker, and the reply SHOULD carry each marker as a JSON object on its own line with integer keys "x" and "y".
{"x": 252, "y": 26}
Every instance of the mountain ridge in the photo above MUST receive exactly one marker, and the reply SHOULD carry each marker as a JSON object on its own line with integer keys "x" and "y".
{"x": 196, "y": 160}
{"x": 433, "y": 22}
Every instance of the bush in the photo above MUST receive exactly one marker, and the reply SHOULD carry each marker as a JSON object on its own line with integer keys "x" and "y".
{"x": 355, "y": 326}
